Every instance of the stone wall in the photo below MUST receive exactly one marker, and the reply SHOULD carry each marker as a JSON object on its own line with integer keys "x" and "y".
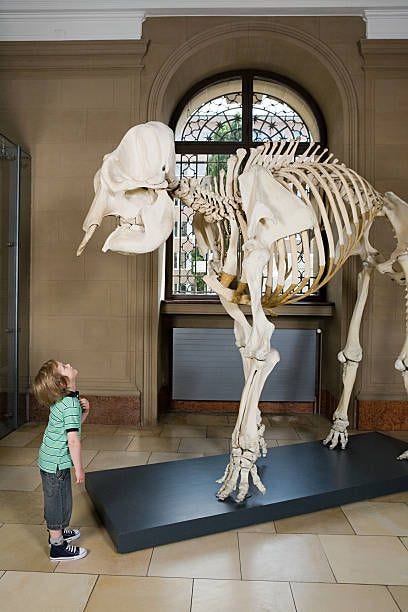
{"x": 69, "y": 103}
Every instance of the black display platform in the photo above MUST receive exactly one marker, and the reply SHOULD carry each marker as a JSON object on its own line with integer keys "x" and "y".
{"x": 149, "y": 505}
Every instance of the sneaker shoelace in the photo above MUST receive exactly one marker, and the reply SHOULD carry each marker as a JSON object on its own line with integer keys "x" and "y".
{"x": 71, "y": 549}
{"x": 68, "y": 533}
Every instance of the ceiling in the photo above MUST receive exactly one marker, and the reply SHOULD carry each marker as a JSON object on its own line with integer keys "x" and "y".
{"x": 123, "y": 19}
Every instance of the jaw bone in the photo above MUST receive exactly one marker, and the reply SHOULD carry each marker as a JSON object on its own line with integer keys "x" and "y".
{"x": 147, "y": 230}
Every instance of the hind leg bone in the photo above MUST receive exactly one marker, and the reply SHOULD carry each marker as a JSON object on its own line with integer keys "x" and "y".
{"x": 401, "y": 363}
{"x": 350, "y": 357}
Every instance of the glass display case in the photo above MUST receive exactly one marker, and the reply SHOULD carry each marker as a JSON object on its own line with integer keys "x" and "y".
{"x": 15, "y": 206}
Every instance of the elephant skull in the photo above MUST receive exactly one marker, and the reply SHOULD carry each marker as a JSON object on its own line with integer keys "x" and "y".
{"x": 133, "y": 185}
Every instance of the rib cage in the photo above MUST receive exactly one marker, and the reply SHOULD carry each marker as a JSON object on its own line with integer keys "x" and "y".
{"x": 343, "y": 202}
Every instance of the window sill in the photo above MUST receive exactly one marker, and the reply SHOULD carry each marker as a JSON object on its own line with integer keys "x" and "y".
{"x": 302, "y": 309}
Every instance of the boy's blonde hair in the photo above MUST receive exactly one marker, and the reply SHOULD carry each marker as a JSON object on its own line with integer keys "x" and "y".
{"x": 49, "y": 385}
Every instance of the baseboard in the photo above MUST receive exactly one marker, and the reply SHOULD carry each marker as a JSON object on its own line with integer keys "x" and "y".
{"x": 328, "y": 403}
{"x": 105, "y": 410}
{"x": 382, "y": 415}
{"x": 233, "y": 406}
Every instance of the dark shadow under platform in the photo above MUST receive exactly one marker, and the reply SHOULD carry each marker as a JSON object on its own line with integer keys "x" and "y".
{"x": 149, "y": 505}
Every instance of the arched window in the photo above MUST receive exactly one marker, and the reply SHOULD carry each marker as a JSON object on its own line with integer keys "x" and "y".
{"x": 216, "y": 117}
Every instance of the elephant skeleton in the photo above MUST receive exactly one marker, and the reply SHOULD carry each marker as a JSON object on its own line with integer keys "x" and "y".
{"x": 272, "y": 207}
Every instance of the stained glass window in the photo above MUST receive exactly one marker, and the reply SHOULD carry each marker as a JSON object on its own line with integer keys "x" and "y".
{"x": 211, "y": 122}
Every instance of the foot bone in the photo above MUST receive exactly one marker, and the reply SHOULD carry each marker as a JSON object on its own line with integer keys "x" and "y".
{"x": 338, "y": 433}
{"x": 241, "y": 464}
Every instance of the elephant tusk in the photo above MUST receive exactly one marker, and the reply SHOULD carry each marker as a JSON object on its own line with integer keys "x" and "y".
{"x": 88, "y": 235}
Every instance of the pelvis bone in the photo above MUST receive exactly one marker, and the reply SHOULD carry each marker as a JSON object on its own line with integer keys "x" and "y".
{"x": 132, "y": 185}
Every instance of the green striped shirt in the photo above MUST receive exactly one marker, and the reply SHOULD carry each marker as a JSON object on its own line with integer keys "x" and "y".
{"x": 54, "y": 452}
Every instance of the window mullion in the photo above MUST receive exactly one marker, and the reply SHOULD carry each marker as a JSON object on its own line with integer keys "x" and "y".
{"x": 247, "y": 94}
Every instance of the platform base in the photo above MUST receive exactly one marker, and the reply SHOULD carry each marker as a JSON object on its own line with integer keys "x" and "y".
{"x": 150, "y": 505}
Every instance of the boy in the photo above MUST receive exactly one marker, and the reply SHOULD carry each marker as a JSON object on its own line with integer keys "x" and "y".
{"x": 55, "y": 387}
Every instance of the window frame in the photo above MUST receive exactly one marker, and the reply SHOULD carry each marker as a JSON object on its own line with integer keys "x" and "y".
{"x": 196, "y": 147}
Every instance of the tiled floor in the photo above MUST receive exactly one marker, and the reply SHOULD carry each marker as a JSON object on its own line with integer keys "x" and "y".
{"x": 353, "y": 557}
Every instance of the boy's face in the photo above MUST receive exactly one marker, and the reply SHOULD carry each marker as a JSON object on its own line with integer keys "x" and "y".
{"x": 67, "y": 370}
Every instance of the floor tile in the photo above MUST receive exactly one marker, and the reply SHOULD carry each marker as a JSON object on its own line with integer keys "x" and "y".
{"x": 184, "y": 431}
{"x": 11, "y": 455}
{"x": 309, "y": 435}
{"x": 103, "y": 558}
{"x": 87, "y": 456}
{"x": 394, "y": 497}
{"x": 378, "y": 518}
{"x": 173, "y": 418}
{"x": 191, "y": 418}
{"x": 232, "y": 418}
{"x": 25, "y": 548}
{"x": 223, "y": 431}
{"x": 139, "y": 432}
{"x": 207, "y": 419}
{"x": 367, "y": 559}
{"x": 240, "y": 596}
{"x": 22, "y": 507}
{"x": 294, "y": 420}
{"x": 96, "y": 429}
{"x": 109, "y": 460}
{"x": 400, "y": 594}
{"x": 283, "y": 557}
{"x": 340, "y": 597}
{"x": 24, "y": 478}
{"x": 400, "y": 435}
{"x": 163, "y": 457}
{"x": 33, "y": 425}
{"x": 83, "y": 511}
{"x": 208, "y": 446}
{"x": 331, "y": 520}
{"x": 268, "y": 527}
{"x": 281, "y": 433}
{"x": 99, "y": 442}
{"x": 140, "y": 594}
{"x": 35, "y": 591}
{"x": 320, "y": 419}
{"x": 36, "y": 442}
{"x": 18, "y": 438}
{"x": 214, "y": 556}
{"x": 156, "y": 444}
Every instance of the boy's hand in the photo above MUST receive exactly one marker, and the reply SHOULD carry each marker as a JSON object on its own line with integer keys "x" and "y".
{"x": 84, "y": 404}
{"x": 80, "y": 476}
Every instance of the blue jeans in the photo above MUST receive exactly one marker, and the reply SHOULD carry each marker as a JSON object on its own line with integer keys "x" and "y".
{"x": 57, "y": 498}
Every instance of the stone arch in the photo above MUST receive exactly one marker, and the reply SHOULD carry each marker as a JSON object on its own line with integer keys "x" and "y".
{"x": 267, "y": 45}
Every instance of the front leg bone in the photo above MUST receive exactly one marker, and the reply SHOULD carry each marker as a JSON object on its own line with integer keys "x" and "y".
{"x": 255, "y": 259}
{"x": 247, "y": 439}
